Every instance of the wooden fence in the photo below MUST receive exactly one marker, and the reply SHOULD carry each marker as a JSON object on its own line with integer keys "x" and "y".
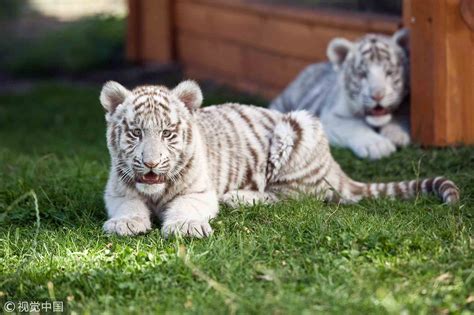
{"x": 442, "y": 71}
{"x": 260, "y": 48}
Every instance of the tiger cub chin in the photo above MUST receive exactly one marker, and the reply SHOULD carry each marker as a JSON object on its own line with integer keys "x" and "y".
{"x": 174, "y": 160}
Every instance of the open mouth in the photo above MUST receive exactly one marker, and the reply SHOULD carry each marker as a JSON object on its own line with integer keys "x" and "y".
{"x": 378, "y": 111}
{"x": 151, "y": 178}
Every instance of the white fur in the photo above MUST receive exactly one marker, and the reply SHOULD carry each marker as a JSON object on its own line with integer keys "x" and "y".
{"x": 232, "y": 153}
{"x": 127, "y": 211}
{"x": 282, "y": 145}
{"x": 150, "y": 190}
{"x": 323, "y": 93}
{"x": 112, "y": 95}
{"x": 190, "y": 93}
{"x": 395, "y": 133}
{"x": 238, "y": 198}
{"x": 337, "y": 51}
{"x": 189, "y": 215}
{"x": 130, "y": 208}
{"x": 346, "y": 130}
{"x": 378, "y": 121}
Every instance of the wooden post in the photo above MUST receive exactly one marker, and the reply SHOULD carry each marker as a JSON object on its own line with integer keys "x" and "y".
{"x": 133, "y": 31}
{"x": 150, "y": 31}
{"x": 442, "y": 72}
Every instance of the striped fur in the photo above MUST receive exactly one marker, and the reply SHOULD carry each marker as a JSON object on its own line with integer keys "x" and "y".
{"x": 229, "y": 153}
{"x": 357, "y": 94}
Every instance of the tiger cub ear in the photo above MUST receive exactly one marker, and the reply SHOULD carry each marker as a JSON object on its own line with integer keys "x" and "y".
{"x": 337, "y": 51}
{"x": 189, "y": 93}
{"x": 112, "y": 95}
{"x": 402, "y": 39}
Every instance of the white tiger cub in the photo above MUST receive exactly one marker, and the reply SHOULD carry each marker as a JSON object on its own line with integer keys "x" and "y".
{"x": 174, "y": 160}
{"x": 356, "y": 93}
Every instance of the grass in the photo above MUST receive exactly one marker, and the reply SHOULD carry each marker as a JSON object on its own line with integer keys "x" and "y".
{"x": 76, "y": 47}
{"x": 298, "y": 256}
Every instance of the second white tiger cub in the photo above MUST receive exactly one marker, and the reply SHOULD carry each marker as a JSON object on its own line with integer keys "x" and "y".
{"x": 356, "y": 93}
{"x": 174, "y": 160}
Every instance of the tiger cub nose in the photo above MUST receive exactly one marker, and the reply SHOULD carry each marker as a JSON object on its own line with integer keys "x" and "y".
{"x": 377, "y": 96}
{"x": 151, "y": 164}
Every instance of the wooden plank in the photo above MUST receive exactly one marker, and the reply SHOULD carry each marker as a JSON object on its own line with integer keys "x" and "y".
{"x": 460, "y": 67}
{"x": 306, "y": 39}
{"x": 424, "y": 51}
{"x": 214, "y": 55}
{"x": 238, "y": 61}
{"x": 442, "y": 72}
{"x": 261, "y": 48}
{"x": 467, "y": 12}
{"x": 156, "y": 31}
{"x": 468, "y": 108}
{"x": 203, "y": 73}
{"x": 365, "y": 22}
{"x": 454, "y": 74}
{"x": 271, "y": 70}
{"x": 254, "y": 45}
{"x": 133, "y": 31}
{"x": 468, "y": 116}
{"x": 406, "y": 14}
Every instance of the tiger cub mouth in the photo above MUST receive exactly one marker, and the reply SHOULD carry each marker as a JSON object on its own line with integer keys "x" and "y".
{"x": 151, "y": 178}
{"x": 378, "y": 111}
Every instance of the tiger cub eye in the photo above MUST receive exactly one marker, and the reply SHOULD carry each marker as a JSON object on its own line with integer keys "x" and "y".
{"x": 166, "y": 133}
{"x": 137, "y": 132}
{"x": 362, "y": 75}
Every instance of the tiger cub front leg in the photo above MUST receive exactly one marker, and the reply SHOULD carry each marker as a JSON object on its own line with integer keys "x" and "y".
{"x": 358, "y": 136}
{"x": 189, "y": 215}
{"x": 236, "y": 198}
{"x": 127, "y": 216}
{"x": 396, "y": 133}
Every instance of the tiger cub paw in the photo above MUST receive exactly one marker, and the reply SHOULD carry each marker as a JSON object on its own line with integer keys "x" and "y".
{"x": 127, "y": 226}
{"x": 185, "y": 228}
{"x": 373, "y": 147}
{"x": 395, "y": 133}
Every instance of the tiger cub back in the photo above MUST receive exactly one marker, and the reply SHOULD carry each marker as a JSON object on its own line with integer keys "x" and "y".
{"x": 256, "y": 149}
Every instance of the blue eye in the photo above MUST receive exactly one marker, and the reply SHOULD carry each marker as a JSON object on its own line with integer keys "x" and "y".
{"x": 166, "y": 133}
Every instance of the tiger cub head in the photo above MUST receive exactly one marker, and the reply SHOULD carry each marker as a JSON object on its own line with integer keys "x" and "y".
{"x": 150, "y": 132}
{"x": 374, "y": 72}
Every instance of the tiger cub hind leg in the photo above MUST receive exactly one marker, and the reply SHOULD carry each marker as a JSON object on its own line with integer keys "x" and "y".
{"x": 236, "y": 198}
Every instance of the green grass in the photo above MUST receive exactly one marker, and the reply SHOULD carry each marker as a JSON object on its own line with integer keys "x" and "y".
{"x": 298, "y": 256}
{"x": 79, "y": 46}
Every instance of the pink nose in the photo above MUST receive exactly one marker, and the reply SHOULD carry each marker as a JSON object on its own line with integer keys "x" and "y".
{"x": 377, "y": 96}
{"x": 150, "y": 164}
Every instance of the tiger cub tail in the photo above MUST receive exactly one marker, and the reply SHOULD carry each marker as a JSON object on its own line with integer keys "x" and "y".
{"x": 444, "y": 188}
